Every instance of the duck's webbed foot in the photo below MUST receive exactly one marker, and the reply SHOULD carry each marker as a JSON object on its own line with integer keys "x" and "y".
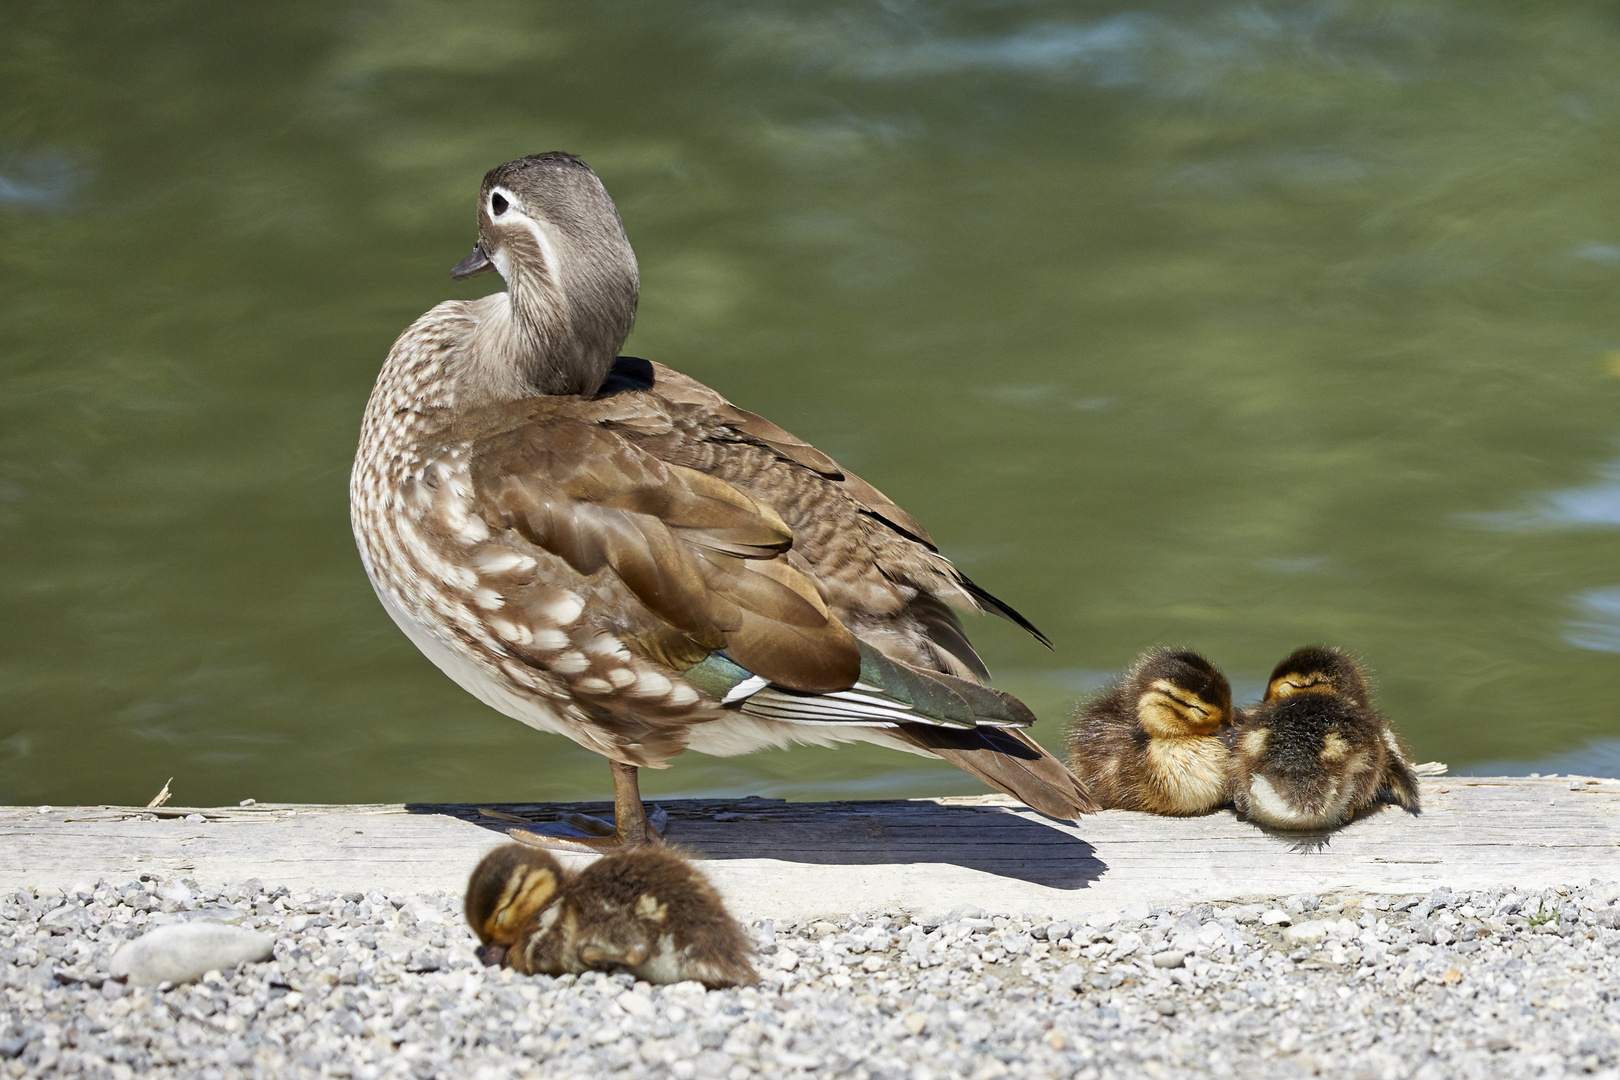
{"x": 632, "y": 826}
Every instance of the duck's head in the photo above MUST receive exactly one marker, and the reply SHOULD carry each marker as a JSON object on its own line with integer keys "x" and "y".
{"x": 510, "y": 887}
{"x": 1180, "y": 693}
{"x": 1317, "y": 669}
{"x": 548, "y": 227}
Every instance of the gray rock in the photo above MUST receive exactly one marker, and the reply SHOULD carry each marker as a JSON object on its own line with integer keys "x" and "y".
{"x": 1071, "y": 977}
{"x": 183, "y": 951}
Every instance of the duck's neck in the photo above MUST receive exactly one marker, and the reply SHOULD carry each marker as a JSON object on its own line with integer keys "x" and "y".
{"x": 535, "y": 339}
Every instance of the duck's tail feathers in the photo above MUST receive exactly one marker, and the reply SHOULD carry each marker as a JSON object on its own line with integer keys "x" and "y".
{"x": 1002, "y": 608}
{"x": 974, "y": 727}
{"x": 888, "y": 694}
{"x": 1009, "y": 761}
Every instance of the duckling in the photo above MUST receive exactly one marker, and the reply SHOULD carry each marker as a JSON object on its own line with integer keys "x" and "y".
{"x": 1315, "y": 751}
{"x": 1152, "y": 743}
{"x": 513, "y": 901}
{"x": 650, "y": 912}
{"x": 646, "y": 911}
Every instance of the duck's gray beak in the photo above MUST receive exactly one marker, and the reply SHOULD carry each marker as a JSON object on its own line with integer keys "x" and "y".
{"x": 473, "y": 265}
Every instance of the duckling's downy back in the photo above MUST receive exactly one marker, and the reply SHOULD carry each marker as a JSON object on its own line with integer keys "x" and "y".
{"x": 1315, "y": 752}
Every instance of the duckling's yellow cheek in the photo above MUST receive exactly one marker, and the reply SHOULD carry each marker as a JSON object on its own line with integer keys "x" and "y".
{"x": 1156, "y": 716}
{"x": 525, "y": 894}
{"x": 502, "y": 912}
{"x": 1289, "y": 685}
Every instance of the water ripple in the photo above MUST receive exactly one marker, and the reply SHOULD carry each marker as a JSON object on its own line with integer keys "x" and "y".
{"x": 43, "y": 180}
{"x": 1588, "y": 505}
{"x": 1599, "y": 628}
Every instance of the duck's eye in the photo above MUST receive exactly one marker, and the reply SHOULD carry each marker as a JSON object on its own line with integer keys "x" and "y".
{"x": 497, "y": 204}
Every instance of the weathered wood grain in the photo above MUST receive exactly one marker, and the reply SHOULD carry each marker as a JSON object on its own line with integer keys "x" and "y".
{"x": 795, "y": 860}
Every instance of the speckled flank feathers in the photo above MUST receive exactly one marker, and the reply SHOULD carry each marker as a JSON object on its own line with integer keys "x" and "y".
{"x": 1315, "y": 752}
{"x": 569, "y": 534}
{"x": 1153, "y": 742}
{"x": 646, "y": 911}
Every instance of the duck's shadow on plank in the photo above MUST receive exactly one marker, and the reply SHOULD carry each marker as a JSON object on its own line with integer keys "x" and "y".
{"x": 990, "y": 839}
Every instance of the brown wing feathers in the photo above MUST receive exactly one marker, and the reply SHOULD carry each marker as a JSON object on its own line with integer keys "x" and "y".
{"x": 664, "y": 503}
{"x": 682, "y": 390}
{"x": 694, "y": 550}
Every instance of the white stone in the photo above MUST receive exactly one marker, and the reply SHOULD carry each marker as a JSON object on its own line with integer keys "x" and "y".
{"x": 1125, "y": 946}
{"x": 1070, "y": 977}
{"x": 1307, "y": 933}
{"x": 186, "y": 950}
{"x": 1276, "y": 917}
{"x": 174, "y": 891}
{"x": 636, "y": 1004}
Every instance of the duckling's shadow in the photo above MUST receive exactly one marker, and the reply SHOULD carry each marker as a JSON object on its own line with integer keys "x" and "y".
{"x": 990, "y": 839}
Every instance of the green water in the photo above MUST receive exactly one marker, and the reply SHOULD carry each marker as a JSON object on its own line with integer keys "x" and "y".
{"x": 1234, "y": 325}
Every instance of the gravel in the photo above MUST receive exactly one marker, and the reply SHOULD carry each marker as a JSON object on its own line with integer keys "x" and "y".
{"x": 1495, "y": 983}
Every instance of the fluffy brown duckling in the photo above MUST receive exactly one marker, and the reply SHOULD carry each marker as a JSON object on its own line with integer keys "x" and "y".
{"x": 646, "y": 911}
{"x": 650, "y": 912}
{"x": 1314, "y": 752}
{"x": 1152, "y": 742}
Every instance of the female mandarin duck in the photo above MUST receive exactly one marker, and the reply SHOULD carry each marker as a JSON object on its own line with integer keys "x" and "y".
{"x": 606, "y": 549}
{"x": 1154, "y": 741}
{"x": 1314, "y": 752}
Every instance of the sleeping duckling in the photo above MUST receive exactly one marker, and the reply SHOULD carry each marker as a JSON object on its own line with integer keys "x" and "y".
{"x": 650, "y": 912}
{"x": 514, "y": 899}
{"x": 646, "y": 911}
{"x": 1151, "y": 743}
{"x": 1315, "y": 751}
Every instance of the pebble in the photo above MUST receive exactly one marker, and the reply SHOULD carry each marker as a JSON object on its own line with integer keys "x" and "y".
{"x": 386, "y": 987}
{"x": 183, "y": 951}
{"x": 1308, "y": 932}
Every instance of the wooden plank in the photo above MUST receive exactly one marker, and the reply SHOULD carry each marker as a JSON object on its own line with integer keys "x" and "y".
{"x": 800, "y": 860}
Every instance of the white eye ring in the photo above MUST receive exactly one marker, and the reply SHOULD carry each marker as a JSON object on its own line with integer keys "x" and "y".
{"x": 497, "y": 204}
